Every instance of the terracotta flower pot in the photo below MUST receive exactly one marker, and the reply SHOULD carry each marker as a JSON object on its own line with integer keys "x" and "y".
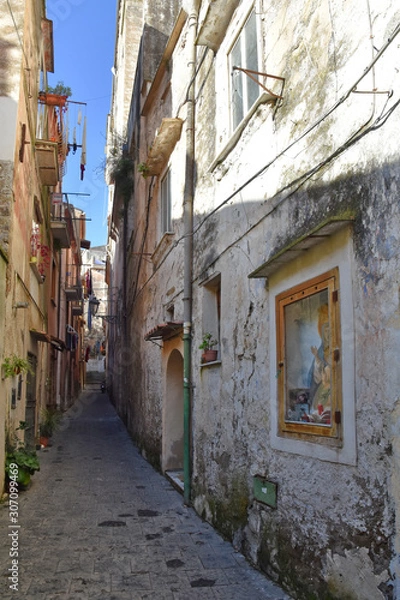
{"x": 209, "y": 356}
{"x": 53, "y": 99}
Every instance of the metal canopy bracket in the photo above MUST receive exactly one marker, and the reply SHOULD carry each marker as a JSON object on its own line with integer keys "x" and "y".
{"x": 47, "y": 338}
{"x": 251, "y": 73}
{"x": 388, "y": 93}
{"x": 112, "y": 319}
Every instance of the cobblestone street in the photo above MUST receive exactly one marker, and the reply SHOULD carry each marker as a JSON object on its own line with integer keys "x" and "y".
{"x": 98, "y": 522}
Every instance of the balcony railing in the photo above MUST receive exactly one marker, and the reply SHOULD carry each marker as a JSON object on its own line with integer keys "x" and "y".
{"x": 59, "y": 225}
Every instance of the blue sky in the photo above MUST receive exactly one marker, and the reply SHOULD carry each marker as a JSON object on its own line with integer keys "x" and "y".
{"x": 84, "y": 39}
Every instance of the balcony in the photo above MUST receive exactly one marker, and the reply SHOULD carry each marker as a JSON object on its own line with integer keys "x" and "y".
{"x": 73, "y": 293}
{"x": 77, "y": 311}
{"x": 163, "y": 145}
{"x": 60, "y": 232}
{"x": 216, "y": 20}
{"x": 47, "y": 160}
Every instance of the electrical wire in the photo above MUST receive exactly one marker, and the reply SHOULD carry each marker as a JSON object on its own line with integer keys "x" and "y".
{"x": 300, "y": 181}
{"x": 379, "y": 122}
{"x": 318, "y": 122}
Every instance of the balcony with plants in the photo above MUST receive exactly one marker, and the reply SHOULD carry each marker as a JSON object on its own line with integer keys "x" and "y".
{"x": 40, "y": 254}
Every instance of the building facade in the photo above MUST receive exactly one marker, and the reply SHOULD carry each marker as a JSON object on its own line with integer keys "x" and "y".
{"x": 254, "y": 200}
{"x": 96, "y": 313}
{"x": 40, "y": 233}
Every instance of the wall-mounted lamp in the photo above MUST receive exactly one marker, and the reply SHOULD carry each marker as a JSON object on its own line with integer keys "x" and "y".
{"x": 21, "y": 305}
{"x": 93, "y": 305}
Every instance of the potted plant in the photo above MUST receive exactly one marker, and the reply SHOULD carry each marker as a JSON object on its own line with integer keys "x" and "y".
{"x": 14, "y": 365}
{"x": 208, "y": 355}
{"x": 21, "y": 464}
{"x": 56, "y": 96}
{"x": 50, "y": 422}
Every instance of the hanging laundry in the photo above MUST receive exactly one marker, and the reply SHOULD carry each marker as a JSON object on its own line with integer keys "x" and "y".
{"x": 89, "y": 316}
{"x": 83, "y": 155}
{"x": 66, "y": 133}
{"x": 74, "y": 143}
{"x": 79, "y": 118}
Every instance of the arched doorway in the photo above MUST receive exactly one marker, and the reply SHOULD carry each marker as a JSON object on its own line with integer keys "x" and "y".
{"x": 172, "y": 455}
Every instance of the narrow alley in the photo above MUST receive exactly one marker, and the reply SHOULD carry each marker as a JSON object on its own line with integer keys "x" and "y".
{"x": 98, "y": 522}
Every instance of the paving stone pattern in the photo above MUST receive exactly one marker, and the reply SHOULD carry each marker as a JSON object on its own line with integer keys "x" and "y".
{"x": 99, "y": 523}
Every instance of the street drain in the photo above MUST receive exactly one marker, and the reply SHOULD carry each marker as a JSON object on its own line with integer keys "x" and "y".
{"x": 126, "y": 515}
{"x": 153, "y": 536}
{"x": 147, "y": 513}
{"x": 175, "y": 563}
{"x": 112, "y": 524}
{"x": 198, "y": 583}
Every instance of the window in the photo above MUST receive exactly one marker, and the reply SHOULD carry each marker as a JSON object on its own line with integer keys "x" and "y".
{"x": 212, "y": 308}
{"x": 297, "y": 287}
{"x": 166, "y": 221}
{"x": 308, "y": 358}
{"x": 244, "y": 55}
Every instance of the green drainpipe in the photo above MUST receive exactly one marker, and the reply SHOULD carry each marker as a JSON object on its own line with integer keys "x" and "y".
{"x": 188, "y": 258}
{"x": 187, "y": 393}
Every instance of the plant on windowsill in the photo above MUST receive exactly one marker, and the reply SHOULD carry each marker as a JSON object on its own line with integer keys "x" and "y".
{"x": 14, "y": 365}
{"x": 208, "y": 355}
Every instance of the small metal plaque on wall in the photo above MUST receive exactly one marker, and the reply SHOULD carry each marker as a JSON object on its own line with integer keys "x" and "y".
{"x": 265, "y": 491}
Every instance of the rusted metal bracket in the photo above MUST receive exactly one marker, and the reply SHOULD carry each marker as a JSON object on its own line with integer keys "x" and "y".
{"x": 375, "y": 91}
{"x": 250, "y": 74}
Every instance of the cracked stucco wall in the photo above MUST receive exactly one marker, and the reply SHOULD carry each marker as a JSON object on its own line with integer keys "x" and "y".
{"x": 321, "y": 152}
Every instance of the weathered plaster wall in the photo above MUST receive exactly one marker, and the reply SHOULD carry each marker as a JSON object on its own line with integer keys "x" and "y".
{"x": 334, "y": 165}
{"x": 10, "y": 72}
{"x": 143, "y": 29}
{"x": 21, "y": 59}
{"x": 321, "y": 152}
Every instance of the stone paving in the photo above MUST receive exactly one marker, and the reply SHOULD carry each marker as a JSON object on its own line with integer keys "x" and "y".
{"x": 99, "y": 523}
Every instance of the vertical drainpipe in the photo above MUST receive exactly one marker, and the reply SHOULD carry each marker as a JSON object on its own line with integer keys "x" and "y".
{"x": 188, "y": 253}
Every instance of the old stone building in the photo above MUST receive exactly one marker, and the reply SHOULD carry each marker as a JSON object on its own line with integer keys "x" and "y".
{"x": 96, "y": 313}
{"x": 40, "y": 234}
{"x": 254, "y": 196}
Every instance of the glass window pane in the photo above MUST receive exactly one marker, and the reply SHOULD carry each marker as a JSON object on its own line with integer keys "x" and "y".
{"x": 237, "y": 85}
{"x": 308, "y": 360}
{"x": 251, "y": 50}
{"x": 244, "y": 54}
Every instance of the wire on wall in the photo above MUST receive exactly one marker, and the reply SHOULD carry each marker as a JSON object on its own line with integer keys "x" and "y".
{"x": 302, "y": 179}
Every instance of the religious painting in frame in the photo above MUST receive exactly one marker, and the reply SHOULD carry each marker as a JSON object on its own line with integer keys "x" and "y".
{"x": 308, "y": 358}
